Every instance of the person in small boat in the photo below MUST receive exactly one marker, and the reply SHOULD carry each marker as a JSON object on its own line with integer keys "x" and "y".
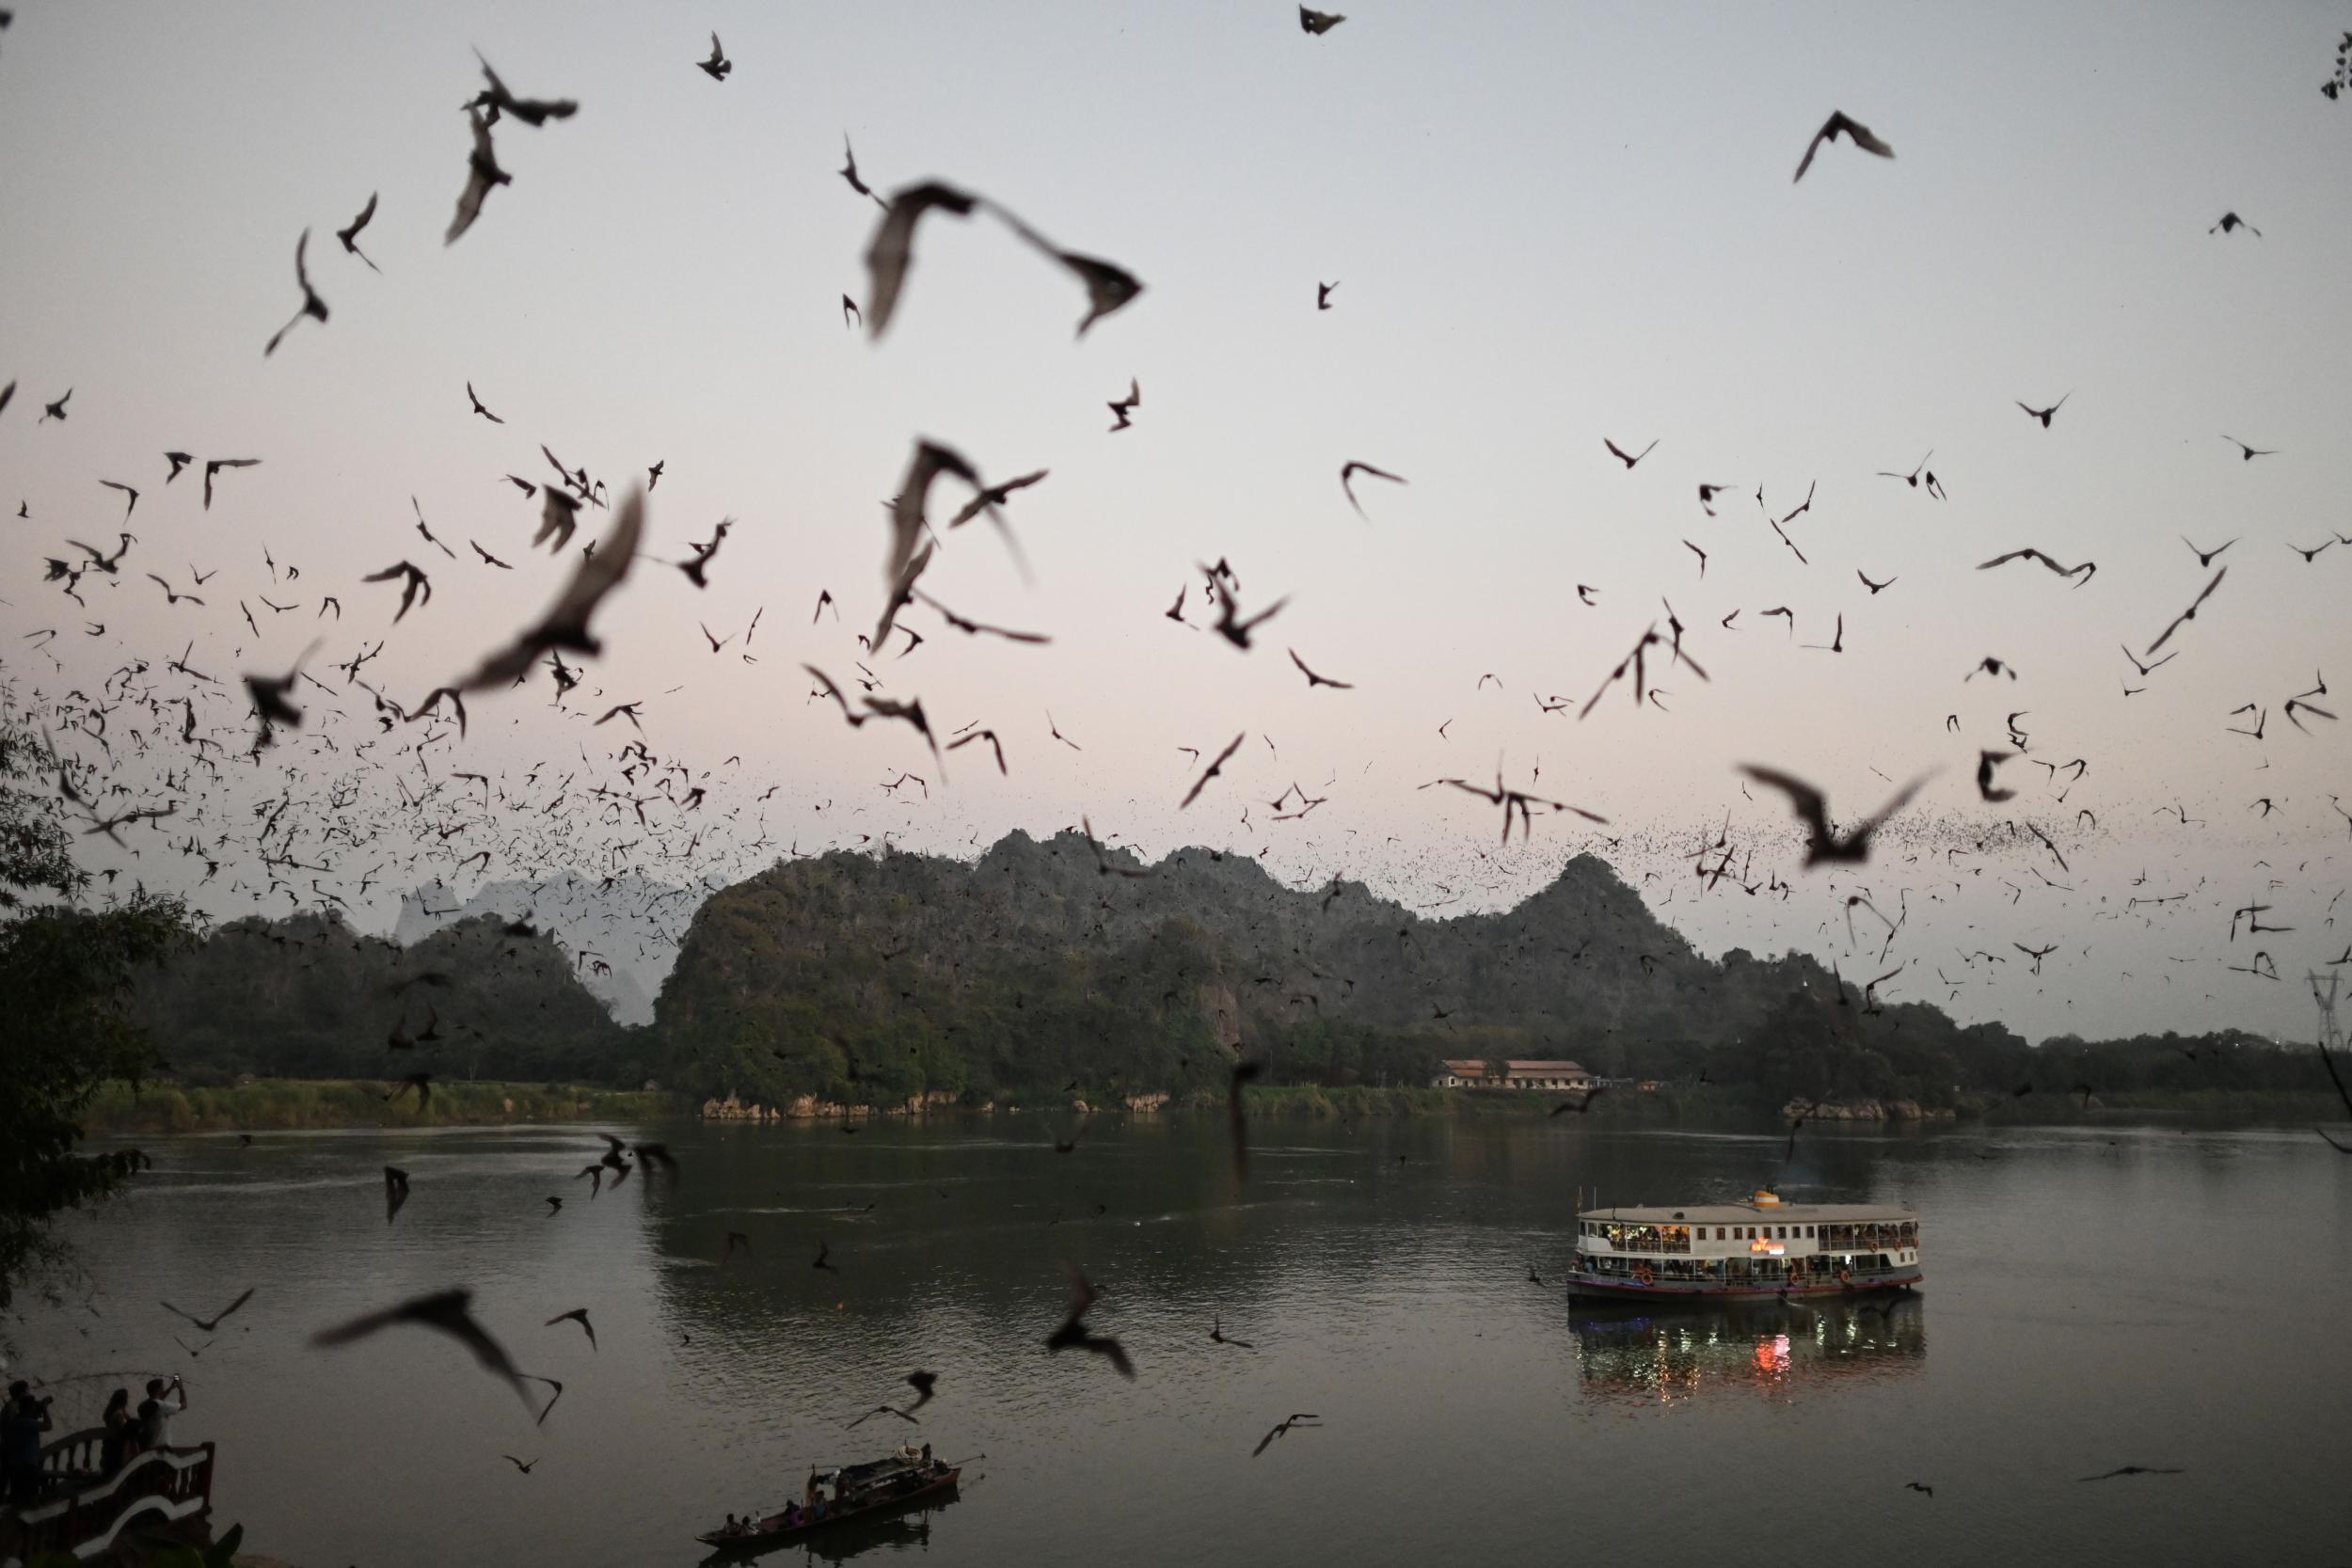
{"x": 733, "y": 1526}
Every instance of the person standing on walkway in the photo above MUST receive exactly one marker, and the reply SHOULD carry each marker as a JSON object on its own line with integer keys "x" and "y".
{"x": 23, "y": 1419}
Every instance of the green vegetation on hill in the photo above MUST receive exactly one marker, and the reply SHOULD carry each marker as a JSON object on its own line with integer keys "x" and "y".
{"x": 308, "y": 997}
{"x": 858, "y": 978}
{"x": 861, "y": 979}
{"x": 66, "y": 972}
{"x": 817, "y": 987}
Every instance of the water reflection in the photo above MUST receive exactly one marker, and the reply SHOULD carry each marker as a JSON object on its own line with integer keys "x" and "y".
{"x": 1632, "y": 1355}
{"x": 910, "y": 1531}
{"x": 1390, "y": 1294}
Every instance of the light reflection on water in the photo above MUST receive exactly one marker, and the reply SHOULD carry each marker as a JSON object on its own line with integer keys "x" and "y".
{"x": 2094, "y": 1298}
{"x": 1777, "y": 1352}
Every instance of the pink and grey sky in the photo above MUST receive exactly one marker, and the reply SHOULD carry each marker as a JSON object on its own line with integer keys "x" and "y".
{"x": 1548, "y": 225}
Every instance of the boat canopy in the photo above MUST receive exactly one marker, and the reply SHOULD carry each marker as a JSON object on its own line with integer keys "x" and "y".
{"x": 858, "y": 1477}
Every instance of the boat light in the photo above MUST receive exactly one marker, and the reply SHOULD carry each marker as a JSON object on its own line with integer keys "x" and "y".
{"x": 1765, "y": 1247}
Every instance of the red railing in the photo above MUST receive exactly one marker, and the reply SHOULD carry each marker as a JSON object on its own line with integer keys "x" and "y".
{"x": 82, "y": 1512}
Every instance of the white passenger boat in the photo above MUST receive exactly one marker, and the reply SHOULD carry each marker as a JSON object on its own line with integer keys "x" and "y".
{"x": 1756, "y": 1250}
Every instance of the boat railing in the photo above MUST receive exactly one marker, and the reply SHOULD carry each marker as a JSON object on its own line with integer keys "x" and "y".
{"x": 1583, "y": 1265}
{"x": 81, "y": 1511}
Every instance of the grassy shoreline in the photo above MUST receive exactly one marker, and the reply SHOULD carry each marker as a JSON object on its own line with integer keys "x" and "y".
{"x": 279, "y": 1104}
{"x": 1716, "y": 1107}
{"x": 2264, "y": 1107}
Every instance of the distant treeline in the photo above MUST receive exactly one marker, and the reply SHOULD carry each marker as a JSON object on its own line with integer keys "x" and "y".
{"x": 856, "y": 979}
{"x": 274, "y": 1104}
{"x": 308, "y": 997}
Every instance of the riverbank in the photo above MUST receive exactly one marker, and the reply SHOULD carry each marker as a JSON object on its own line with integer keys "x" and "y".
{"x": 1624, "y": 1107}
{"x": 2213, "y": 1107}
{"x": 279, "y": 1104}
{"x": 1707, "y": 1106}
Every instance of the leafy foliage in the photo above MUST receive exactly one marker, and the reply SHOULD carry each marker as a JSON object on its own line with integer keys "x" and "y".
{"x": 855, "y": 978}
{"x": 308, "y": 997}
{"x": 66, "y": 973}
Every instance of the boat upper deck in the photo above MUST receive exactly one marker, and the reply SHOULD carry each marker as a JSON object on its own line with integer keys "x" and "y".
{"x": 1764, "y": 1227}
{"x": 1749, "y": 1213}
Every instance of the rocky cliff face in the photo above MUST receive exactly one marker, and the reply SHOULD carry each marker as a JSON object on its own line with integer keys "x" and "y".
{"x": 1584, "y": 951}
{"x": 848, "y": 975}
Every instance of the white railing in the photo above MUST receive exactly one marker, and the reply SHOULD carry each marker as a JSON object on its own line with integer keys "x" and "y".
{"x": 86, "y": 1513}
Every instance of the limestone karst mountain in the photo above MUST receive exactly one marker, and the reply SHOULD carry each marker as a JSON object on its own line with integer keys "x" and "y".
{"x": 874, "y": 977}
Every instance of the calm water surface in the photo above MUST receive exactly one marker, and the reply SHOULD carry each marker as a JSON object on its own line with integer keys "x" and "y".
{"x": 2094, "y": 1299}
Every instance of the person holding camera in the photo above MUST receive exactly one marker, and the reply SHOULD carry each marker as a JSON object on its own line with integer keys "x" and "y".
{"x": 164, "y": 1400}
{"x": 21, "y": 1422}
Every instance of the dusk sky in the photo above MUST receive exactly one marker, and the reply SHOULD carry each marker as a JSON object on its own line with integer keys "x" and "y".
{"x": 1549, "y": 225}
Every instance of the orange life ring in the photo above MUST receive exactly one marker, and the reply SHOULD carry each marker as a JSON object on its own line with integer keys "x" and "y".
{"x": 1642, "y": 1273}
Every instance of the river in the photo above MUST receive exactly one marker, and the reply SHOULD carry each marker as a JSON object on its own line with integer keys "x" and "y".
{"x": 2094, "y": 1298}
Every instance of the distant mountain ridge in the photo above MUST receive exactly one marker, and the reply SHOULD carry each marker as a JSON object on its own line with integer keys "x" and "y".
{"x": 629, "y": 921}
{"x": 848, "y": 974}
{"x": 1044, "y": 970}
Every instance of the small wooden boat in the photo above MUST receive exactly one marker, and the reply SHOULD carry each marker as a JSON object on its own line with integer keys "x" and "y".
{"x": 861, "y": 1492}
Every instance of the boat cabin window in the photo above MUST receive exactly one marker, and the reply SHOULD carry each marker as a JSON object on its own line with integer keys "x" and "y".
{"x": 1870, "y": 1236}
{"x": 1648, "y": 1238}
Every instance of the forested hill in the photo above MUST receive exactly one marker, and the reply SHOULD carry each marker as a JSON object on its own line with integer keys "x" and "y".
{"x": 867, "y": 979}
{"x": 308, "y": 997}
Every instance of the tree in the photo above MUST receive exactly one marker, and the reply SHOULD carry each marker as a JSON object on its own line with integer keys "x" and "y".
{"x": 307, "y": 996}
{"x": 66, "y": 972}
